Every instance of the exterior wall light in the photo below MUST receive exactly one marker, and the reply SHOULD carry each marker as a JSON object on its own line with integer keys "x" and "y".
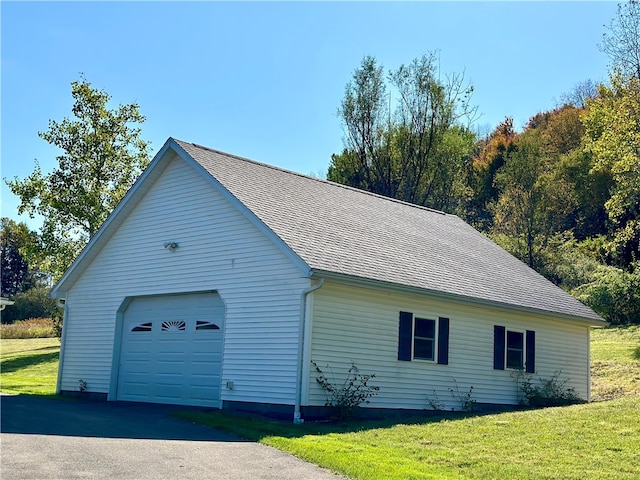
{"x": 171, "y": 246}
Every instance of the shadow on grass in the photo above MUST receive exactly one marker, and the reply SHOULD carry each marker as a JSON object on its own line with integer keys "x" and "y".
{"x": 636, "y": 353}
{"x": 256, "y": 427}
{"x": 25, "y": 361}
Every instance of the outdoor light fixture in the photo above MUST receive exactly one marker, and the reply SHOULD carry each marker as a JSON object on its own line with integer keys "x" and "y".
{"x": 171, "y": 246}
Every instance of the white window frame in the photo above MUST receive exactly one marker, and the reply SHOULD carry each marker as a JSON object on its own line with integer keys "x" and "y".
{"x": 506, "y": 348}
{"x": 435, "y": 339}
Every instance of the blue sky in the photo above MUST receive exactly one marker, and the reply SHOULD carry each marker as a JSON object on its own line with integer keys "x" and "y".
{"x": 264, "y": 80}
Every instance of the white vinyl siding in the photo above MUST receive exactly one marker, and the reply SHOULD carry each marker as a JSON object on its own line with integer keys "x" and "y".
{"x": 361, "y": 325}
{"x": 219, "y": 250}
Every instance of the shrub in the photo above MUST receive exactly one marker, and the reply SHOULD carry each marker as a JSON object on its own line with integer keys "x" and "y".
{"x": 34, "y": 303}
{"x": 353, "y": 392}
{"x": 57, "y": 324}
{"x": 465, "y": 400}
{"x": 551, "y": 392}
{"x": 614, "y": 294}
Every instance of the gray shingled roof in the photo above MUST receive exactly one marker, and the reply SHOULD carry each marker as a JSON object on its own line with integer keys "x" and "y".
{"x": 343, "y": 230}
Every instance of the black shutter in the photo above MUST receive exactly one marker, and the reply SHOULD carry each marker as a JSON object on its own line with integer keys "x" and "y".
{"x": 531, "y": 352}
{"x": 405, "y": 334}
{"x": 443, "y": 341}
{"x": 498, "y": 347}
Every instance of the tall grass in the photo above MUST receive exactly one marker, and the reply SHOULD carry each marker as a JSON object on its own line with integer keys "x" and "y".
{"x": 31, "y": 328}
{"x": 615, "y": 362}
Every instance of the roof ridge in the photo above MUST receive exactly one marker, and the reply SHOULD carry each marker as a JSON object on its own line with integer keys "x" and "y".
{"x": 308, "y": 177}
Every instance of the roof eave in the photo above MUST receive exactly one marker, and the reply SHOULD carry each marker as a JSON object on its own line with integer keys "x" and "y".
{"x": 597, "y": 321}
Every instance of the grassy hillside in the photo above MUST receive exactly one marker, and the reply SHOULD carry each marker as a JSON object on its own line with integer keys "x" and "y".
{"x": 615, "y": 362}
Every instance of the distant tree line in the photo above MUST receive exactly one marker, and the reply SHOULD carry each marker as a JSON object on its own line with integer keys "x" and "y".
{"x": 563, "y": 195}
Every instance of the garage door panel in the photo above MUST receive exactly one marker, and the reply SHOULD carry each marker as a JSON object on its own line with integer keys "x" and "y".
{"x": 138, "y": 379}
{"x": 139, "y": 368}
{"x": 205, "y": 368}
{"x": 137, "y": 391}
{"x": 170, "y": 369}
{"x": 205, "y": 393}
{"x": 174, "y": 348}
{"x": 171, "y": 350}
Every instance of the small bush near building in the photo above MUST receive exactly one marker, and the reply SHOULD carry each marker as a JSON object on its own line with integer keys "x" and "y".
{"x": 353, "y": 392}
{"x": 546, "y": 392}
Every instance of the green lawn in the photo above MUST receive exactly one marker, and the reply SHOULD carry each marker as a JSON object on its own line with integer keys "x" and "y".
{"x": 589, "y": 441}
{"x": 29, "y": 365}
{"x": 615, "y": 362}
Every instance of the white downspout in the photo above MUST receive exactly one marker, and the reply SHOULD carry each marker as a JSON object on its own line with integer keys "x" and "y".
{"x": 62, "y": 303}
{"x": 303, "y": 309}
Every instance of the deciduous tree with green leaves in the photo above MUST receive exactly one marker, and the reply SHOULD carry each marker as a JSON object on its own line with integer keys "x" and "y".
{"x": 102, "y": 156}
{"x": 410, "y": 144}
{"x": 490, "y": 155}
{"x": 15, "y": 240}
{"x": 613, "y": 138}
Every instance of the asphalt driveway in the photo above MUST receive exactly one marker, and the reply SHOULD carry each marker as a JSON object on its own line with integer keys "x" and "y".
{"x": 58, "y": 439}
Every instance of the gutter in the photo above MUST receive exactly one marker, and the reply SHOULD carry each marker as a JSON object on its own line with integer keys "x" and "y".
{"x": 297, "y": 419}
{"x": 62, "y": 303}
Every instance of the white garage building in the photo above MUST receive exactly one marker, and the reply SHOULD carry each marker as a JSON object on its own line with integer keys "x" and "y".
{"x": 217, "y": 281}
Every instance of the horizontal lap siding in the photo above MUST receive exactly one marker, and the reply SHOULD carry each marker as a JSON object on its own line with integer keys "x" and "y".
{"x": 361, "y": 325}
{"x": 219, "y": 249}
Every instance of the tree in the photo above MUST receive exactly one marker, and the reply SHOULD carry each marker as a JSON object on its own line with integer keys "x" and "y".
{"x": 365, "y": 161}
{"x": 415, "y": 151}
{"x": 590, "y": 189}
{"x": 581, "y": 191}
{"x": 582, "y": 92}
{"x": 614, "y": 293}
{"x": 518, "y": 212}
{"x": 612, "y": 136}
{"x": 102, "y": 157}
{"x": 622, "y": 42}
{"x": 32, "y": 303}
{"x": 490, "y": 155}
{"x": 15, "y": 238}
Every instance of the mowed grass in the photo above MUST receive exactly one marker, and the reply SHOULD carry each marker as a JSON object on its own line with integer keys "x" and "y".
{"x": 29, "y": 366}
{"x": 600, "y": 440}
{"x": 589, "y": 441}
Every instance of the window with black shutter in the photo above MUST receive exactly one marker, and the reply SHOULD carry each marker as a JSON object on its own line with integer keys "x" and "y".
{"x": 513, "y": 349}
{"x": 423, "y": 338}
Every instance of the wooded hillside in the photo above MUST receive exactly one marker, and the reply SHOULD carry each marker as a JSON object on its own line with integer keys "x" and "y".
{"x": 563, "y": 194}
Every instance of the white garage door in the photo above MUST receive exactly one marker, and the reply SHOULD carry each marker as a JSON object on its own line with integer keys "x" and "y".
{"x": 171, "y": 350}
